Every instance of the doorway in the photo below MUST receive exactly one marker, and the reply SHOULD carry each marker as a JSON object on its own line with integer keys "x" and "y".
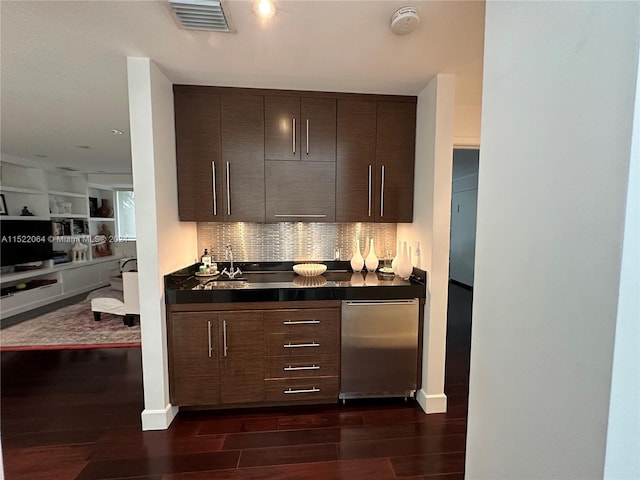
{"x": 464, "y": 201}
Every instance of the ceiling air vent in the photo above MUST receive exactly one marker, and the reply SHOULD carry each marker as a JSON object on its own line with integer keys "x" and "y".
{"x": 200, "y": 15}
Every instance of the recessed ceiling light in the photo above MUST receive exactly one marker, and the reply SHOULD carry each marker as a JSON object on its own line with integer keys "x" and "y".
{"x": 265, "y": 8}
{"x": 115, "y": 131}
{"x": 84, "y": 147}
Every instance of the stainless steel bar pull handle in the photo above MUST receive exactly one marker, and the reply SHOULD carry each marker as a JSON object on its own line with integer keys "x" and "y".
{"x": 213, "y": 179}
{"x": 307, "y": 136}
{"x": 224, "y": 336}
{"x": 317, "y": 215}
{"x": 229, "y": 189}
{"x": 370, "y": 185}
{"x": 301, "y": 345}
{"x": 209, "y": 333}
{"x": 293, "y": 136}
{"x": 300, "y": 322}
{"x": 303, "y": 390}
{"x": 307, "y": 367}
{"x": 382, "y": 193}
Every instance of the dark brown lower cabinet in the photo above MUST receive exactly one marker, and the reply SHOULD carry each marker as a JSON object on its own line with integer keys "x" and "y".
{"x": 251, "y": 357}
{"x": 194, "y": 364}
{"x": 241, "y": 360}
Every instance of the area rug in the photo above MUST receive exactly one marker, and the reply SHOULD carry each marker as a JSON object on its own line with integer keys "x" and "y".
{"x": 70, "y": 327}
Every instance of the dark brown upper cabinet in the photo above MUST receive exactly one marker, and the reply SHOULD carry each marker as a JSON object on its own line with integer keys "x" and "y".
{"x": 355, "y": 160}
{"x": 375, "y": 160}
{"x": 300, "y": 128}
{"x": 300, "y": 191}
{"x": 395, "y": 159}
{"x": 220, "y": 155}
{"x": 242, "y": 125}
{"x": 270, "y": 155}
{"x": 198, "y": 153}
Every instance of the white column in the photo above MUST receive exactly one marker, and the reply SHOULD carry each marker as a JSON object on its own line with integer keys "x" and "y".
{"x": 164, "y": 243}
{"x": 623, "y": 433}
{"x": 558, "y": 100}
{"x": 430, "y": 227}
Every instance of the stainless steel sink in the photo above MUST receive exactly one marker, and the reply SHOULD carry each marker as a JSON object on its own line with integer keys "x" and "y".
{"x": 222, "y": 284}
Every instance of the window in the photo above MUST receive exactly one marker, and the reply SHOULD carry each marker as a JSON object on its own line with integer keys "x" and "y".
{"x": 126, "y": 214}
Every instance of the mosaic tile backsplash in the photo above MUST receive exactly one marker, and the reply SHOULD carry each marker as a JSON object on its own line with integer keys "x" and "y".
{"x": 295, "y": 241}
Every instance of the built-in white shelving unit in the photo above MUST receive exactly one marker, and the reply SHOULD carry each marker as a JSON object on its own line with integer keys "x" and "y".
{"x": 64, "y": 198}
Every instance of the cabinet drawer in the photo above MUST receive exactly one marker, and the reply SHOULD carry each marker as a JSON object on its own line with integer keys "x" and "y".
{"x": 299, "y": 366}
{"x": 289, "y": 344}
{"x": 303, "y": 321}
{"x": 301, "y": 389}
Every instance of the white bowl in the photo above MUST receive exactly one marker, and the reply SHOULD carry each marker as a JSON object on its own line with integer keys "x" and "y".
{"x": 310, "y": 269}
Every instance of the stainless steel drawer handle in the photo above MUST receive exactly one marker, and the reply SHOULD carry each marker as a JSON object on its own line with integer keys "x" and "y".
{"x": 303, "y": 390}
{"x": 306, "y": 367}
{"x": 301, "y": 345}
{"x": 209, "y": 333}
{"x": 300, "y": 322}
{"x": 302, "y": 215}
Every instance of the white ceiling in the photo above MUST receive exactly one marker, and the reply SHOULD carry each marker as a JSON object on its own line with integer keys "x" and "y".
{"x": 64, "y": 79}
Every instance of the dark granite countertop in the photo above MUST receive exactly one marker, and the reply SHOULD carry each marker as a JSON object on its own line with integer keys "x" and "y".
{"x": 276, "y": 281}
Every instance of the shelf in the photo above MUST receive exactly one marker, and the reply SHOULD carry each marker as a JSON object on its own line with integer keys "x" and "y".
{"x": 14, "y": 276}
{"x": 32, "y": 191}
{"x": 67, "y": 194}
{"x": 96, "y": 186}
{"x": 23, "y": 217}
{"x": 102, "y": 219}
{"x": 69, "y": 215}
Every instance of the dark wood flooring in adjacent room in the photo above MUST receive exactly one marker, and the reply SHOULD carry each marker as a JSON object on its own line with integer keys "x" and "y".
{"x": 75, "y": 414}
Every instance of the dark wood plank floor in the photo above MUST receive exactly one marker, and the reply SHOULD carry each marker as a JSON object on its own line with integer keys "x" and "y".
{"x": 75, "y": 414}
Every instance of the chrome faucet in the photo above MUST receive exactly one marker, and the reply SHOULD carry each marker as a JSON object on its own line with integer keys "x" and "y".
{"x": 230, "y": 273}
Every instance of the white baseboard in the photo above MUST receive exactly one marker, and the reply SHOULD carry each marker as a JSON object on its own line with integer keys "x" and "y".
{"x": 432, "y": 403}
{"x": 158, "y": 419}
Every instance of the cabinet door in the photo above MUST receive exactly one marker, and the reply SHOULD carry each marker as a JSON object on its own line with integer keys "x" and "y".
{"x": 318, "y": 129}
{"x": 356, "y": 160}
{"x": 243, "y": 157}
{"x": 193, "y": 359}
{"x": 241, "y": 357}
{"x": 395, "y": 158}
{"x": 300, "y": 191}
{"x": 282, "y": 128}
{"x": 197, "y": 118}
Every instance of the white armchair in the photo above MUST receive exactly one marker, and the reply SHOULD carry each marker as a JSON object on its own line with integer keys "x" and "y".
{"x": 124, "y": 302}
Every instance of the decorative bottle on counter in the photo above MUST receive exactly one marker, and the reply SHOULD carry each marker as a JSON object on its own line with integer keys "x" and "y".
{"x": 372, "y": 259}
{"x": 357, "y": 262}
{"x": 404, "y": 268}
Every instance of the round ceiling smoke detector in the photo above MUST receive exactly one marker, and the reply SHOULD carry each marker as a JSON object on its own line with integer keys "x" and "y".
{"x": 405, "y": 20}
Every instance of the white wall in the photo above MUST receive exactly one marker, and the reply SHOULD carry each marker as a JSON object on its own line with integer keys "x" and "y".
{"x": 559, "y": 80}
{"x": 466, "y": 128}
{"x": 622, "y": 459}
{"x": 430, "y": 227}
{"x": 164, "y": 243}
